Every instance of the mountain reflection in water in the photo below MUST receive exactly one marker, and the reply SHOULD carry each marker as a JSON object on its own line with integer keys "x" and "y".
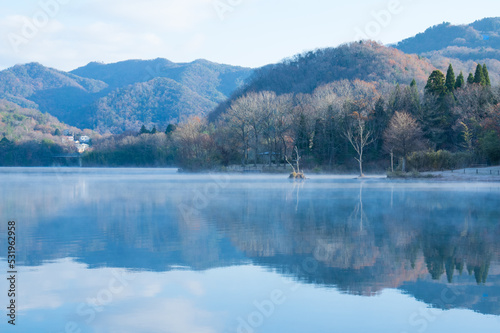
{"x": 359, "y": 237}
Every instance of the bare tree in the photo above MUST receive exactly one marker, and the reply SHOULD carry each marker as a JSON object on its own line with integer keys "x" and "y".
{"x": 403, "y": 136}
{"x": 281, "y": 123}
{"x": 359, "y": 137}
{"x": 258, "y": 112}
{"x": 195, "y": 145}
{"x": 236, "y": 120}
{"x": 296, "y": 174}
{"x": 260, "y": 120}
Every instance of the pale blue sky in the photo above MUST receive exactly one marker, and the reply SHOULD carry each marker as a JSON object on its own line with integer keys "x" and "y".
{"x": 66, "y": 34}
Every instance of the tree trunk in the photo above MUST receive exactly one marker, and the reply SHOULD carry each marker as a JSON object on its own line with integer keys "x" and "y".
{"x": 392, "y": 161}
{"x": 256, "y": 149}
{"x": 361, "y": 165}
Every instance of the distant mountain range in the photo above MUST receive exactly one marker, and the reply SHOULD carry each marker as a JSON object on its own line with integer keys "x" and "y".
{"x": 122, "y": 96}
{"x": 125, "y": 95}
{"x": 465, "y": 42}
{"x": 462, "y": 45}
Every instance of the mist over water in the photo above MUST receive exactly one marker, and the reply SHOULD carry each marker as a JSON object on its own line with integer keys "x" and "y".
{"x": 199, "y": 251}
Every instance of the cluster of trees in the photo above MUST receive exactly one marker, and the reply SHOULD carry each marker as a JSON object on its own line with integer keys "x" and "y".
{"x": 304, "y": 73}
{"x": 158, "y": 101}
{"x": 332, "y": 127}
{"x": 31, "y": 138}
{"x": 354, "y": 119}
{"x": 144, "y": 150}
{"x": 147, "y": 148}
{"x": 170, "y": 128}
{"x": 121, "y": 96}
{"x": 30, "y": 153}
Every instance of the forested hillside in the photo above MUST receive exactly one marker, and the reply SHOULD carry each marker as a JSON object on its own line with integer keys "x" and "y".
{"x": 479, "y": 38}
{"x": 157, "y": 102}
{"x": 367, "y": 61}
{"x": 210, "y": 80}
{"x": 444, "y": 120}
{"x": 462, "y": 45}
{"x": 360, "y": 105}
{"x": 31, "y": 84}
{"x": 131, "y": 90}
{"x": 29, "y": 137}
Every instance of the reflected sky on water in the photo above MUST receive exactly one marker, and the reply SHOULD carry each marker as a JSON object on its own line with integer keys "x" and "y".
{"x": 151, "y": 250}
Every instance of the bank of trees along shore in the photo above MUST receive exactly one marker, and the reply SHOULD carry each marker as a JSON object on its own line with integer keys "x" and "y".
{"x": 452, "y": 122}
{"x": 347, "y": 120}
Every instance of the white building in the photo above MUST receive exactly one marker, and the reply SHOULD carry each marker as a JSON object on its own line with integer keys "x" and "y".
{"x": 82, "y": 147}
{"x": 84, "y": 139}
{"x": 68, "y": 139}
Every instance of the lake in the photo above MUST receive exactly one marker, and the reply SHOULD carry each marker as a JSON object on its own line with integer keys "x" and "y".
{"x": 151, "y": 250}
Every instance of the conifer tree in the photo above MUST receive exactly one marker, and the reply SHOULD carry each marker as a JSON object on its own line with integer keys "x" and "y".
{"x": 170, "y": 129}
{"x": 486, "y": 75}
{"x": 302, "y": 141}
{"x": 378, "y": 123}
{"x": 144, "y": 130}
{"x": 479, "y": 77}
{"x": 319, "y": 149}
{"x": 460, "y": 83}
{"x": 437, "y": 115}
{"x": 450, "y": 79}
{"x": 415, "y": 98}
{"x": 470, "y": 79}
{"x": 436, "y": 84}
{"x": 153, "y": 131}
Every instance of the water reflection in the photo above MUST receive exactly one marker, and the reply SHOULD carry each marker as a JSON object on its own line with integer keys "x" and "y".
{"x": 360, "y": 238}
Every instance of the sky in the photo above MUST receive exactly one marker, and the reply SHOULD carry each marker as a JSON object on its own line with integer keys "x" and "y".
{"x": 67, "y": 34}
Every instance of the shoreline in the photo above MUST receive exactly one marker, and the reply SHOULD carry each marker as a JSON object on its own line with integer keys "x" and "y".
{"x": 482, "y": 174}
{"x": 488, "y": 174}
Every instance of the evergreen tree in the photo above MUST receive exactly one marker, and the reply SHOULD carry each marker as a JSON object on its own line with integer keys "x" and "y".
{"x": 153, "y": 131}
{"x": 450, "y": 79}
{"x": 450, "y": 269}
{"x": 378, "y": 123}
{"x": 479, "y": 76}
{"x": 396, "y": 102}
{"x": 57, "y": 132}
{"x": 415, "y": 99}
{"x": 486, "y": 75}
{"x": 459, "y": 266}
{"x": 436, "y": 84}
{"x": 170, "y": 128}
{"x": 320, "y": 148}
{"x": 302, "y": 140}
{"x": 470, "y": 79}
{"x": 4, "y": 141}
{"x": 144, "y": 130}
{"x": 460, "y": 83}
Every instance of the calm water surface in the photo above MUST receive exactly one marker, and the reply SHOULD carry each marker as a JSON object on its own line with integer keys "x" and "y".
{"x": 139, "y": 250}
